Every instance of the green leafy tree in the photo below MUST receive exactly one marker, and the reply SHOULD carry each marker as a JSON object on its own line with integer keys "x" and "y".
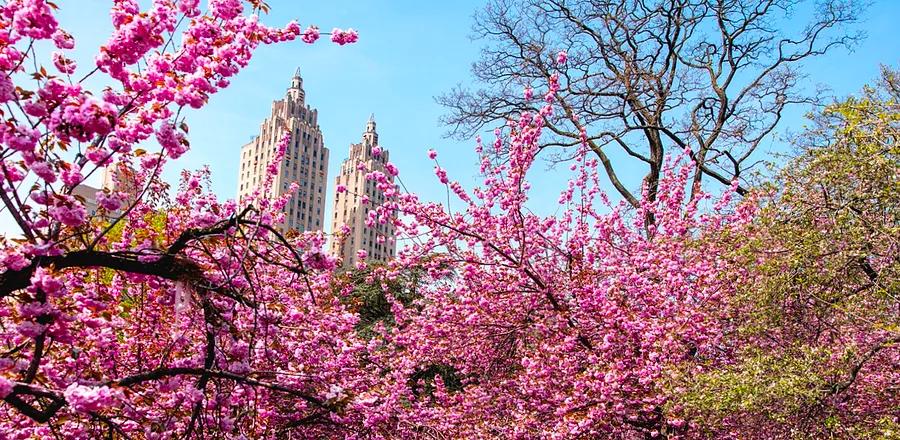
{"x": 818, "y": 347}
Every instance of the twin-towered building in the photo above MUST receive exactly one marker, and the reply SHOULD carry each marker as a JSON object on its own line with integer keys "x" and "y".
{"x": 306, "y": 163}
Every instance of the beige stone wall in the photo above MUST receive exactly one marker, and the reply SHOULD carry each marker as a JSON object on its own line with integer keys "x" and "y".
{"x": 305, "y": 162}
{"x": 89, "y": 195}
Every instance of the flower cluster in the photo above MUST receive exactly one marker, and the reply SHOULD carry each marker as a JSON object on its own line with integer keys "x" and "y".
{"x": 87, "y": 399}
{"x": 342, "y": 37}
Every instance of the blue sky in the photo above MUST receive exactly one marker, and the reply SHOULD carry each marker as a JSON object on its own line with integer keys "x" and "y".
{"x": 408, "y": 52}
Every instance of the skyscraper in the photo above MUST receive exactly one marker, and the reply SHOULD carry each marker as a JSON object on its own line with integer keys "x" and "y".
{"x": 352, "y": 206}
{"x": 305, "y": 162}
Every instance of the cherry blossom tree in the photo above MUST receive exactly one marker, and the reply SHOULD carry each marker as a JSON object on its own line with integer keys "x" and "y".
{"x": 152, "y": 317}
{"x": 565, "y": 326}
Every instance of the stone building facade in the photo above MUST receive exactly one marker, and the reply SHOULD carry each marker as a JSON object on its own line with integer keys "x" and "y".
{"x": 305, "y": 162}
{"x": 89, "y": 195}
{"x": 352, "y": 206}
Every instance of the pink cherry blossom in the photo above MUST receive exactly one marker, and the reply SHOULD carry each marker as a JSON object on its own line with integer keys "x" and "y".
{"x": 310, "y": 35}
{"x": 6, "y": 387}
{"x": 63, "y": 40}
{"x": 109, "y": 201}
{"x": 7, "y": 89}
{"x": 171, "y": 140}
{"x": 44, "y": 171}
{"x": 72, "y": 176}
{"x": 63, "y": 64}
{"x": 441, "y": 174}
{"x": 342, "y": 37}
{"x": 87, "y": 399}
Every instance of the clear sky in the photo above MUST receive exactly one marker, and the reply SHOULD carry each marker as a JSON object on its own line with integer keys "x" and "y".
{"x": 408, "y": 52}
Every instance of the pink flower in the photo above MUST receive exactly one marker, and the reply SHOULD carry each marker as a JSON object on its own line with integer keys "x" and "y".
{"x": 362, "y": 254}
{"x": 226, "y": 9}
{"x": 6, "y": 387}
{"x": 30, "y": 329}
{"x": 68, "y": 211}
{"x": 391, "y": 169}
{"x": 376, "y": 151}
{"x": 317, "y": 260}
{"x": 441, "y": 174}
{"x": 40, "y": 197}
{"x": 71, "y": 176}
{"x": 63, "y": 64}
{"x": 190, "y": 8}
{"x": 344, "y": 37}
{"x": 529, "y": 93}
{"x": 341, "y": 189}
{"x": 88, "y": 399}
{"x": 44, "y": 171}
{"x": 171, "y": 140}
{"x": 432, "y": 154}
{"x": 21, "y": 138}
{"x": 63, "y": 40}
{"x": 109, "y": 201}
{"x": 42, "y": 280}
{"x": 310, "y": 35}
{"x": 15, "y": 261}
{"x": 99, "y": 156}
{"x": 36, "y": 109}
{"x": 7, "y": 88}
{"x": 82, "y": 117}
{"x": 13, "y": 172}
{"x": 562, "y": 57}
{"x": 32, "y": 18}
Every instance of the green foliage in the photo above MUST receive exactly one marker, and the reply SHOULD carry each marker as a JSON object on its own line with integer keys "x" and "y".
{"x": 422, "y": 381}
{"x": 369, "y": 296}
{"x": 824, "y": 256}
{"x": 778, "y": 385}
{"x": 829, "y": 237}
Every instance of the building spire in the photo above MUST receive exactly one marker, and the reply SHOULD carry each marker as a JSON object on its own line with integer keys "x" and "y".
{"x": 297, "y": 81}
{"x": 372, "y": 117}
